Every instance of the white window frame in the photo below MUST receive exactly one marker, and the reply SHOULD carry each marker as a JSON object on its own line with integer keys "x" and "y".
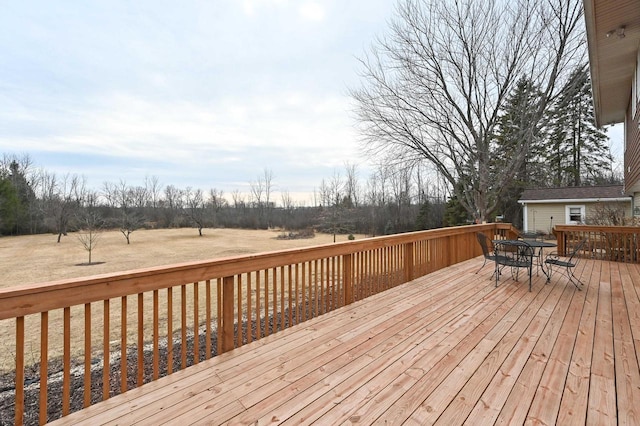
{"x": 567, "y": 211}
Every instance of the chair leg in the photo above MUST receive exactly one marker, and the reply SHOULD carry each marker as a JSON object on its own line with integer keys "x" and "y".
{"x": 573, "y": 279}
{"x": 483, "y": 265}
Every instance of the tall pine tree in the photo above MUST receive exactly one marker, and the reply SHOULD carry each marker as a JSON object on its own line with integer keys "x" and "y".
{"x": 577, "y": 151}
{"x": 517, "y": 115}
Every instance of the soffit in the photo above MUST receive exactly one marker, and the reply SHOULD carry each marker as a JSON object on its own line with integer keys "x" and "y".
{"x": 612, "y": 59}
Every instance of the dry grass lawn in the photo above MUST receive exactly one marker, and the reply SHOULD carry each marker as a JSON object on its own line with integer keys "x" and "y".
{"x": 38, "y": 258}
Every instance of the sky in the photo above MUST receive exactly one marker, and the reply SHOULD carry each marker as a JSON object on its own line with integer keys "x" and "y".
{"x": 202, "y": 94}
{"x": 206, "y": 94}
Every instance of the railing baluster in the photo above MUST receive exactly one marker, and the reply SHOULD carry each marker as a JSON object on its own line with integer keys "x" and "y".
{"x": 44, "y": 363}
{"x": 291, "y": 296}
{"x": 334, "y": 284}
{"x": 249, "y": 311}
{"x": 239, "y": 334}
{"x": 196, "y": 324}
{"x": 325, "y": 285}
{"x": 19, "y": 405}
{"x": 140, "y": 375}
{"x": 258, "y": 322}
{"x": 87, "y": 355}
{"x": 169, "y": 330}
{"x": 266, "y": 302}
{"x": 274, "y": 274}
{"x": 106, "y": 351}
{"x": 305, "y": 299}
{"x": 219, "y": 331}
{"x": 156, "y": 335}
{"x": 66, "y": 361}
{"x": 282, "y": 298}
{"x": 227, "y": 313}
{"x": 183, "y": 326}
{"x": 207, "y": 350}
{"x": 123, "y": 345}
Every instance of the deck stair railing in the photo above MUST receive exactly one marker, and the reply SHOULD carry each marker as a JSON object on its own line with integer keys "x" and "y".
{"x": 71, "y": 343}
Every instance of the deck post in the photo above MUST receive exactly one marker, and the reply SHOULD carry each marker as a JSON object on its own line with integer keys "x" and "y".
{"x": 227, "y": 313}
{"x": 347, "y": 278}
{"x": 560, "y": 240}
{"x": 408, "y": 262}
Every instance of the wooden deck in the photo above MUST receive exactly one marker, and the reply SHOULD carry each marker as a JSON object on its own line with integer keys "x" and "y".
{"x": 448, "y": 348}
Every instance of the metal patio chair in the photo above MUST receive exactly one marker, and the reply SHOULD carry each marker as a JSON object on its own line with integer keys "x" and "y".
{"x": 514, "y": 254}
{"x": 553, "y": 261}
{"x": 487, "y": 249}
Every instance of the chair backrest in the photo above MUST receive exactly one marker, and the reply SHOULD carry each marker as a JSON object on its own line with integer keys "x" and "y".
{"x": 517, "y": 250}
{"x": 577, "y": 249}
{"x": 484, "y": 243}
{"x": 529, "y": 235}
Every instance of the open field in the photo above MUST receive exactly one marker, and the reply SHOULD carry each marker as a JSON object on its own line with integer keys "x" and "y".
{"x": 38, "y": 258}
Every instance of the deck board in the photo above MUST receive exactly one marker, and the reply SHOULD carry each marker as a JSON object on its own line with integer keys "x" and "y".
{"x": 447, "y": 348}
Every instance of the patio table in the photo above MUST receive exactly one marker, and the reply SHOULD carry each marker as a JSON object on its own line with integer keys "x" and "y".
{"x": 536, "y": 245}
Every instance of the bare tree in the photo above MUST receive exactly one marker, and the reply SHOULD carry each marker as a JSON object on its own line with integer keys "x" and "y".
{"x": 351, "y": 186}
{"x": 90, "y": 222}
{"x": 63, "y": 196}
{"x": 238, "y": 199}
{"x": 215, "y": 203}
{"x": 194, "y": 208}
{"x": 173, "y": 204}
{"x": 287, "y": 207}
{"x": 434, "y": 88}
{"x": 130, "y": 203}
{"x": 153, "y": 190}
{"x": 261, "y": 197}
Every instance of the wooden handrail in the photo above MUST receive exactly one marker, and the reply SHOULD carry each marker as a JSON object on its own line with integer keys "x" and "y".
{"x": 245, "y": 298}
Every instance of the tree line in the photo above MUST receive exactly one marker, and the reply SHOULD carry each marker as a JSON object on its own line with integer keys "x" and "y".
{"x": 34, "y": 200}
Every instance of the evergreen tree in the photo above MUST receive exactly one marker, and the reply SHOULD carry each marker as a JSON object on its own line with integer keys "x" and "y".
{"x": 9, "y": 207}
{"x": 518, "y": 114}
{"x": 577, "y": 153}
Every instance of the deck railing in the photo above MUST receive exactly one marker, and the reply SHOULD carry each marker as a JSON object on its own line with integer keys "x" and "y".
{"x": 615, "y": 243}
{"x": 79, "y": 341}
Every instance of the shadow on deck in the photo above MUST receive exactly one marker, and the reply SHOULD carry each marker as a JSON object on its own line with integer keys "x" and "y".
{"x": 447, "y": 348}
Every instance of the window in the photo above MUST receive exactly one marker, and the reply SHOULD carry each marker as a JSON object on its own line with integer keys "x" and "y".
{"x": 574, "y": 215}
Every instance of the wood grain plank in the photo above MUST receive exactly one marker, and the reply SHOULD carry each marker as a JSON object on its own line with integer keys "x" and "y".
{"x": 546, "y": 403}
{"x": 573, "y": 407}
{"x": 602, "y": 403}
{"x": 406, "y": 318}
{"x": 518, "y": 403}
{"x": 374, "y": 388}
{"x": 549, "y": 307}
{"x": 626, "y": 359}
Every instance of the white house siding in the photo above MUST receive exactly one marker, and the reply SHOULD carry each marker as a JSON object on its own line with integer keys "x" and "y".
{"x": 538, "y": 215}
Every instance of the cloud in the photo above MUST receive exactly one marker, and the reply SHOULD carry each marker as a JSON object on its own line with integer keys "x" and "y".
{"x": 311, "y": 11}
{"x": 297, "y": 126}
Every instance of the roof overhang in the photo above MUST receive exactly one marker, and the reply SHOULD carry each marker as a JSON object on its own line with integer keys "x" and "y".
{"x": 577, "y": 200}
{"x": 613, "y": 33}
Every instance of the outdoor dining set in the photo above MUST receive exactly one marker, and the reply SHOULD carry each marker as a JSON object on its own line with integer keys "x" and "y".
{"x": 527, "y": 252}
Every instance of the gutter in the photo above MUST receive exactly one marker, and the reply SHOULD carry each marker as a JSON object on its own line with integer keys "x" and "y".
{"x": 575, "y": 200}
